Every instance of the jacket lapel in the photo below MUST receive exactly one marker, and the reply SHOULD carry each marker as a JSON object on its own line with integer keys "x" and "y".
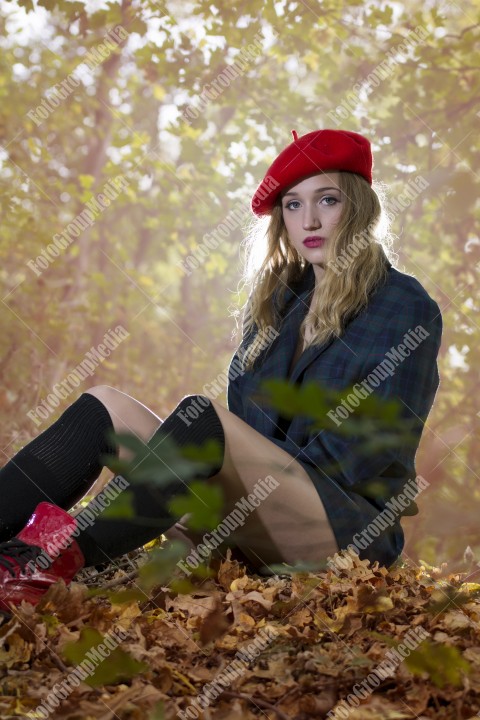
{"x": 295, "y": 315}
{"x": 292, "y": 321}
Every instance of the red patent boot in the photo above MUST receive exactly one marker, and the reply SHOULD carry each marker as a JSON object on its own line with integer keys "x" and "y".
{"x": 40, "y": 555}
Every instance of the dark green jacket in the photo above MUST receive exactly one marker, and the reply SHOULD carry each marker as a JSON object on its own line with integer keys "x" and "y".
{"x": 335, "y": 463}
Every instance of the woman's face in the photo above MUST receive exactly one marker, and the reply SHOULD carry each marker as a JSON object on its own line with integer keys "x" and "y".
{"x": 311, "y": 209}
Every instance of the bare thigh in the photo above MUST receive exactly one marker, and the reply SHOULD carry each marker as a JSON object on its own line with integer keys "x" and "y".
{"x": 291, "y": 523}
{"x": 128, "y": 415}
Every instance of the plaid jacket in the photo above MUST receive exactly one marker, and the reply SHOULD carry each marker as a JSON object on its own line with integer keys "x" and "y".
{"x": 400, "y": 305}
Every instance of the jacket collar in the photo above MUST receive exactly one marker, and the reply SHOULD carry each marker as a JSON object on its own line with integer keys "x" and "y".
{"x": 302, "y": 286}
{"x": 307, "y": 282}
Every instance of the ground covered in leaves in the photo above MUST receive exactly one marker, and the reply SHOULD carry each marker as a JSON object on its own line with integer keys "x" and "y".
{"x": 280, "y": 647}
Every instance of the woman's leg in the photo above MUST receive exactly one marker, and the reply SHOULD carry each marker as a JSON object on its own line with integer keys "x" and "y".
{"x": 57, "y": 466}
{"x": 127, "y": 414}
{"x": 131, "y": 416}
{"x": 46, "y": 549}
{"x": 107, "y": 538}
{"x": 60, "y": 465}
{"x": 291, "y": 523}
{"x": 288, "y": 525}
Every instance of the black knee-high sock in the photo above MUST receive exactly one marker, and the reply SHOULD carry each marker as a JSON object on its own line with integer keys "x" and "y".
{"x": 58, "y": 466}
{"x": 110, "y": 538}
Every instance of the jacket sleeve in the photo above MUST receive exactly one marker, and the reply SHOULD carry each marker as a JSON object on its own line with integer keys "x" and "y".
{"x": 413, "y": 380}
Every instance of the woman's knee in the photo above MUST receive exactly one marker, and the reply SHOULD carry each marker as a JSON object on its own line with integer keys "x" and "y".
{"x": 112, "y": 399}
{"x": 128, "y": 414}
{"x": 191, "y": 407}
{"x": 104, "y": 393}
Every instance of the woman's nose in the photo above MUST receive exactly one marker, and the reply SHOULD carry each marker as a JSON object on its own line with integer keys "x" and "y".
{"x": 311, "y": 219}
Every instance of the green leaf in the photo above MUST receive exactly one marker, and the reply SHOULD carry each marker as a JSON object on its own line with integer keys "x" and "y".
{"x": 298, "y": 567}
{"x": 162, "y": 565}
{"x": 86, "y": 181}
{"x": 161, "y": 459}
{"x": 116, "y": 666}
{"x": 122, "y": 507}
{"x": 118, "y": 596}
{"x": 376, "y": 422}
{"x": 137, "y": 25}
{"x": 126, "y": 596}
{"x": 159, "y": 92}
{"x": 443, "y": 663}
{"x": 158, "y": 712}
{"x": 204, "y": 502}
{"x": 27, "y": 4}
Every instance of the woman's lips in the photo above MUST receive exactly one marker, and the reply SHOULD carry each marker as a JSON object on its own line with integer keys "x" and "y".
{"x": 314, "y": 242}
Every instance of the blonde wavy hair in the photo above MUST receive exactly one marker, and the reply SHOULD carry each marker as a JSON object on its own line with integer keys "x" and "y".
{"x": 356, "y": 263}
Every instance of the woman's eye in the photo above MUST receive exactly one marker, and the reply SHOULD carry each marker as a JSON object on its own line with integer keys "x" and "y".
{"x": 330, "y": 197}
{"x": 289, "y": 203}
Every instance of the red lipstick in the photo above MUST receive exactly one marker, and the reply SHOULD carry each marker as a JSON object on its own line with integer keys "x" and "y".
{"x": 313, "y": 241}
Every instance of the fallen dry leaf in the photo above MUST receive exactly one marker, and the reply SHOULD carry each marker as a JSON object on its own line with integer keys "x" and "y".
{"x": 328, "y": 632}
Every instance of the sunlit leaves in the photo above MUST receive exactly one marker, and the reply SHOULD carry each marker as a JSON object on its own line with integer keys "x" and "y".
{"x": 122, "y": 509}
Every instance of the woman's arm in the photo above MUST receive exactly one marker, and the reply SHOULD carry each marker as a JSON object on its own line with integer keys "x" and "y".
{"x": 412, "y": 380}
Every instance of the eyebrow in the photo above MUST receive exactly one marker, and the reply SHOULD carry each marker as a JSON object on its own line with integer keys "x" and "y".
{"x": 315, "y": 191}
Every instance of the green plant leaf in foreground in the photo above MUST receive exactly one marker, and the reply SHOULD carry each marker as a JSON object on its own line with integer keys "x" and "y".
{"x": 444, "y": 664}
{"x": 312, "y": 400}
{"x": 116, "y": 666}
{"x": 204, "y": 503}
{"x": 162, "y": 564}
{"x": 161, "y": 458}
{"x": 122, "y": 509}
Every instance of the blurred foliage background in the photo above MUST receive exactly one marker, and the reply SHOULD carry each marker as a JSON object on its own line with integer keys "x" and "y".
{"x": 306, "y": 65}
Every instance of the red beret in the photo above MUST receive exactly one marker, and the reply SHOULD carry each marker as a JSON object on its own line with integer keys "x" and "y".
{"x": 312, "y": 153}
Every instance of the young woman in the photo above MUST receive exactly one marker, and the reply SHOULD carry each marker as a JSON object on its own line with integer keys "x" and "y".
{"x": 326, "y": 309}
